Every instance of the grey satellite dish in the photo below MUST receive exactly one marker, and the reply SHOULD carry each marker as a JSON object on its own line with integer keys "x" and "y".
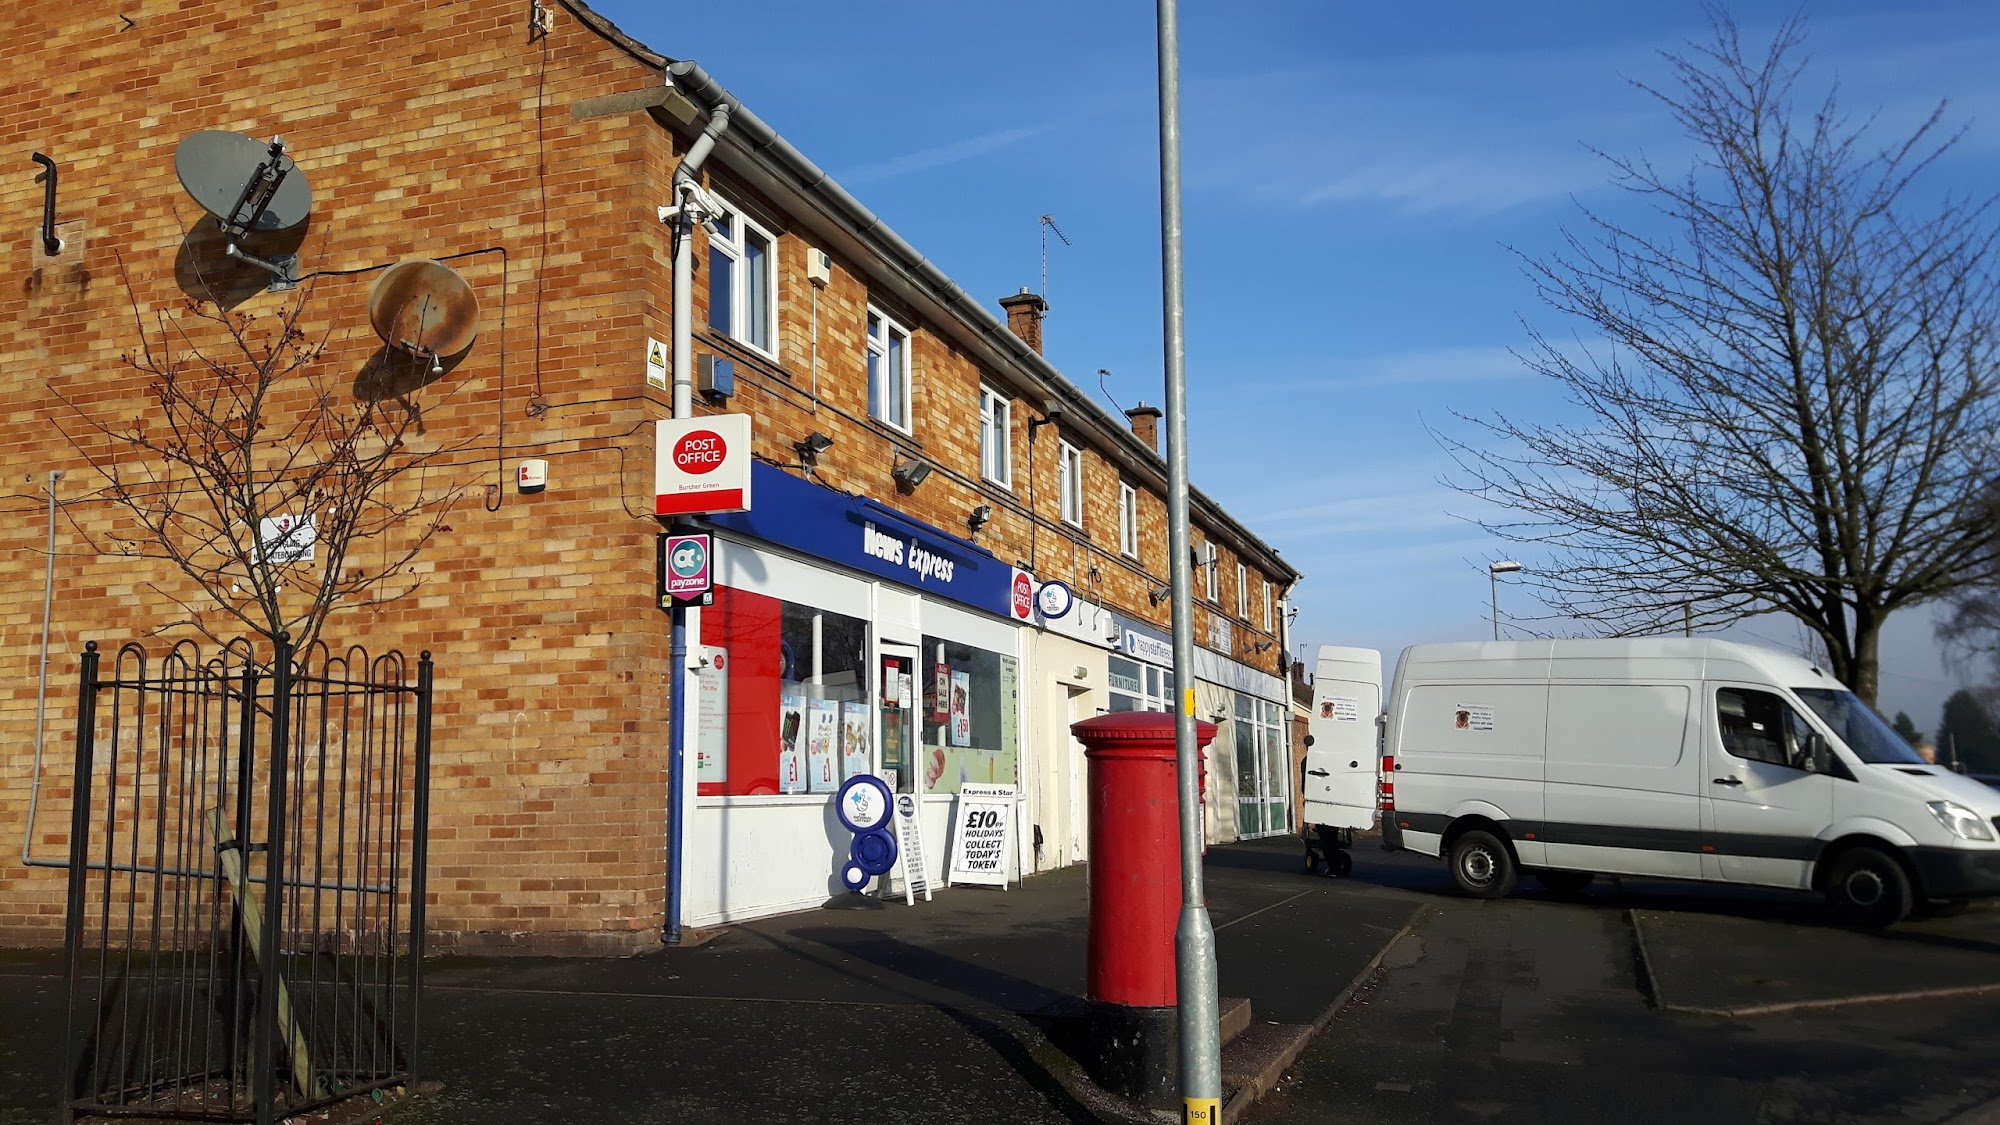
{"x": 251, "y": 187}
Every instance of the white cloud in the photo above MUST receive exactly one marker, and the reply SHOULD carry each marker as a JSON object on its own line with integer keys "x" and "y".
{"x": 939, "y": 156}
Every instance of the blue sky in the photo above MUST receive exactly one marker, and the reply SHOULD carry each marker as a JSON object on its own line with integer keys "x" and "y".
{"x": 1356, "y": 175}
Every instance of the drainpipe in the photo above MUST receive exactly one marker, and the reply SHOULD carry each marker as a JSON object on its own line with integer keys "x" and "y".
{"x": 28, "y": 859}
{"x": 686, "y": 619}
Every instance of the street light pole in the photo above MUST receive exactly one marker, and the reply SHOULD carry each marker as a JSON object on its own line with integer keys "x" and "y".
{"x": 1199, "y": 1008}
{"x": 1493, "y": 573}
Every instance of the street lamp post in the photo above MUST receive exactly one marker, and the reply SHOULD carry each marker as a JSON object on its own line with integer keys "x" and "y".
{"x": 1493, "y": 573}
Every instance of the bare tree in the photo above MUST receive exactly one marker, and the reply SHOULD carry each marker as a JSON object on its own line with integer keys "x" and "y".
{"x": 1971, "y": 627}
{"x": 262, "y": 478}
{"x": 1791, "y": 406}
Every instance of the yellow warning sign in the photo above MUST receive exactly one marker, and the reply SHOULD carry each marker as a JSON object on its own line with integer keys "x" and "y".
{"x": 1201, "y": 1111}
{"x": 656, "y": 363}
{"x": 1187, "y": 701}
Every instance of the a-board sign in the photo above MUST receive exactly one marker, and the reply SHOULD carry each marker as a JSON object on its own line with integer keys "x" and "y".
{"x": 911, "y": 862}
{"x": 982, "y": 843}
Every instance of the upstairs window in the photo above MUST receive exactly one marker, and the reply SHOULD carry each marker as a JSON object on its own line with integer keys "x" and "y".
{"x": 1069, "y": 484}
{"x": 888, "y": 370}
{"x": 743, "y": 281}
{"x": 996, "y": 438}
{"x": 1242, "y": 592}
{"x": 1128, "y": 520}
{"x": 1267, "y": 605}
{"x": 1211, "y": 581}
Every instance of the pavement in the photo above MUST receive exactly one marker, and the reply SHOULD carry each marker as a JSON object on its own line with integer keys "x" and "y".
{"x": 1633, "y": 1002}
{"x": 945, "y": 1011}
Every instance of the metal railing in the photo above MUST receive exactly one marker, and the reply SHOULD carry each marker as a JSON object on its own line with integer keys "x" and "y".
{"x": 245, "y": 923}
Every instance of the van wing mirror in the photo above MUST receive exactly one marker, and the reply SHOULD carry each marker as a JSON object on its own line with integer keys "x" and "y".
{"x": 1818, "y": 753}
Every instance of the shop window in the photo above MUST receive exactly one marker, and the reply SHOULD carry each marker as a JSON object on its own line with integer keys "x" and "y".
{"x": 971, "y": 716}
{"x": 1138, "y": 687}
{"x": 784, "y": 698}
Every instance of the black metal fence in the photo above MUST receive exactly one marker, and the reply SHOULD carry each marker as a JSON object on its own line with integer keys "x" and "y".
{"x": 246, "y": 883}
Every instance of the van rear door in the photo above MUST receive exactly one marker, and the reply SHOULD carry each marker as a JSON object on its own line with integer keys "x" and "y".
{"x": 1339, "y": 782}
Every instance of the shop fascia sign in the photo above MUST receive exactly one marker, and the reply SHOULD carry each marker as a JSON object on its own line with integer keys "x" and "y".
{"x": 908, "y": 552}
{"x": 701, "y": 466}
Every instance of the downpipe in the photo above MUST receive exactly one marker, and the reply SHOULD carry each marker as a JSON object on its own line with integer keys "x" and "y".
{"x": 679, "y": 715}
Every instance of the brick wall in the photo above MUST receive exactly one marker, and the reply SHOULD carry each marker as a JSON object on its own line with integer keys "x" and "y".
{"x": 430, "y": 129}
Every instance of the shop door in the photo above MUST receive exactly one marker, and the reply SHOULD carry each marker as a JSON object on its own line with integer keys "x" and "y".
{"x": 900, "y": 698}
{"x": 1251, "y": 800}
{"x": 1079, "y": 779}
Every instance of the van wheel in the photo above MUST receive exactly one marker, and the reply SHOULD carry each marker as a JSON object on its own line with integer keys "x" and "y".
{"x": 1869, "y": 889}
{"x": 1343, "y": 865}
{"x": 1482, "y": 866}
{"x": 1564, "y": 882}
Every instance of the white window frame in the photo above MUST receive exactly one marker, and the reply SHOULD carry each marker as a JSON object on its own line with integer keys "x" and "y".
{"x": 1213, "y": 580}
{"x": 878, "y": 348}
{"x": 1267, "y": 606}
{"x": 1242, "y": 592}
{"x": 1128, "y": 520}
{"x": 740, "y": 280}
{"x": 996, "y": 437}
{"x": 1069, "y": 484}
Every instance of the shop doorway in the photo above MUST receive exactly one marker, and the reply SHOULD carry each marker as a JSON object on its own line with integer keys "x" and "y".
{"x": 900, "y": 698}
{"x": 1263, "y": 769}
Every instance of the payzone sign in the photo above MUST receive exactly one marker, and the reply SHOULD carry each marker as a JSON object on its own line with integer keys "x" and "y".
{"x": 701, "y": 465}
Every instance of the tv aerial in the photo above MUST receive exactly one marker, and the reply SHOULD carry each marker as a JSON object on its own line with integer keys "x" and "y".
{"x": 251, "y": 187}
{"x": 424, "y": 308}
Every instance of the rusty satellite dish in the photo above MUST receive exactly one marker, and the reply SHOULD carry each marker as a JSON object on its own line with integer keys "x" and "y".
{"x": 424, "y": 308}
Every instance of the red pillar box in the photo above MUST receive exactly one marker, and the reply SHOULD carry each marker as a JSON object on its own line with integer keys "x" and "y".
{"x": 1135, "y": 856}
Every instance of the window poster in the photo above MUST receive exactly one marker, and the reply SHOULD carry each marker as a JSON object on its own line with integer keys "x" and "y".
{"x": 822, "y": 737}
{"x": 1010, "y": 710}
{"x": 792, "y": 744}
{"x": 941, "y": 702}
{"x": 961, "y": 709}
{"x": 853, "y": 739}
{"x": 711, "y": 753}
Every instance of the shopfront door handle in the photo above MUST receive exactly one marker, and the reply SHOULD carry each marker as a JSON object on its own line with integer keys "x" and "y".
{"x": 1319, "y": 773}
{"x": 1728, "y": 781}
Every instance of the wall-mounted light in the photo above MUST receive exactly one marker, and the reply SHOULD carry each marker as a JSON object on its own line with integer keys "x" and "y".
{"x": 911, "y": 473}
{"x": 809, "y": 448}
{"x": 1052, "y": 413}
{"x": 1156, "y": 596}
{"x": 1263, "y": 646}
{"x": 979, "y": 517}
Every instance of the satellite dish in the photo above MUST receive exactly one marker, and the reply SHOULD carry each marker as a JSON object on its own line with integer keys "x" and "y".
{"x": 425, "y": 308}
{"x": 251, "y": 188}
{"x": 248, "y": 185}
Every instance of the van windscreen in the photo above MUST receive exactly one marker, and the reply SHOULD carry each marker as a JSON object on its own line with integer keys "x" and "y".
{"x": 1858, "y": 725}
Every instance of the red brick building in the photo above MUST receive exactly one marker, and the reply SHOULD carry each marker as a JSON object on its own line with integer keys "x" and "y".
{"x": 533, "y": 147}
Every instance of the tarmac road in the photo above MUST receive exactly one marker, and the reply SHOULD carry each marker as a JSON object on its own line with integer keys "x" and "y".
{"x": 1535, "y": 1010}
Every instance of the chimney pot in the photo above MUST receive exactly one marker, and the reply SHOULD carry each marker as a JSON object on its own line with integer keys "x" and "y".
{"x": 1025, "y": 311}
{"x": 1146, "y": 423}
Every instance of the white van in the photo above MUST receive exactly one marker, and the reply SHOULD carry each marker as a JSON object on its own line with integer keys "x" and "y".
{"x": 1673, "y": 758}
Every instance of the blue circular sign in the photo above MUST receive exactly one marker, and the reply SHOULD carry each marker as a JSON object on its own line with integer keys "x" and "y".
{"x": 875, "y": 852}
{"x": 1054, "y": 599}
{"x": 852, "y": 877}
{"x": 864, "y": 803}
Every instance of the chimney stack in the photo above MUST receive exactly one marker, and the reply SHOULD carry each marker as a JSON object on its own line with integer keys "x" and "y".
{"x": 1025, "y": 311}
{"x": 1146, "y": 423}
